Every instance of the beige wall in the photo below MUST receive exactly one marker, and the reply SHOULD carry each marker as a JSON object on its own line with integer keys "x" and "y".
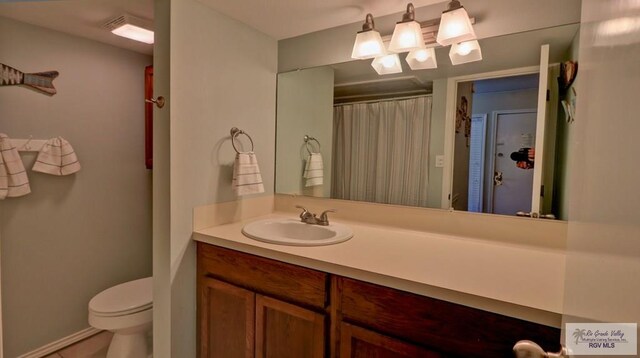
{"x": 603, "y": 262}
{"x": 73, "y": 236}
{"x": 161, "y": 183}
{"x": 305, "y": 107}
{"x": 564, "y": 138}
{"x": 222, "y": 75}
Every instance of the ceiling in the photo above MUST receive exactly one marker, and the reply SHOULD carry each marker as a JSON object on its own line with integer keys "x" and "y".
{"x": 289, "y": 18}
{"x": 278, "y": 19}
{"x": 83, "y": 18}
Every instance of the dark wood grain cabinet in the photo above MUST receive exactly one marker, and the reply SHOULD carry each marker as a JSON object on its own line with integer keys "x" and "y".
{"x": 358, "y": 342}
{"x": 227, "y": 320}
{"x": 250, "y": 306}
{"x": 286, "y": 330}
{"x": 254, "y": 307}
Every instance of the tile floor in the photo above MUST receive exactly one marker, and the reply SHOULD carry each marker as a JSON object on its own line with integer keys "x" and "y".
{"x": 92, "y": 347}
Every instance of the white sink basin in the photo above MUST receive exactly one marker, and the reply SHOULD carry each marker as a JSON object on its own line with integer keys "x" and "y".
{"x": 296, "y": 233}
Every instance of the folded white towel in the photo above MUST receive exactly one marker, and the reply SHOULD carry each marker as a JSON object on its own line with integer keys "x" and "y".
{"x": 246, "y": 175}
{"x": 13, "y": 178}
{"x": 314, "y": 170}
{"x": 57, "y": 158}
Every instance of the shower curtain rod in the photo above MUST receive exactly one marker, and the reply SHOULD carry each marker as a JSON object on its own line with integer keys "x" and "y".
{"x": 384, "y": 99}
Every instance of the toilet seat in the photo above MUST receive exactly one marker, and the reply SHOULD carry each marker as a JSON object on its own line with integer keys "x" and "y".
{"x": 124, "y": 299}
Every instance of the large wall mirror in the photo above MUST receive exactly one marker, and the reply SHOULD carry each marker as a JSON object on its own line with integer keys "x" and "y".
{"x": 451, "y": 137}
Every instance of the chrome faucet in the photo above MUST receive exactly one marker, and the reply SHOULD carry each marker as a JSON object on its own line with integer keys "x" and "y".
{"x": 310, "y": 218}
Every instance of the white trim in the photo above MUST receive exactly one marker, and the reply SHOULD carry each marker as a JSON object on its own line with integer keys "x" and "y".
{"x": 28, "y": 145}
{"x": 61, "y": 343}
{"x": 386, "y": 99}
{"x": 540, "y": 127}
{"x": 450, "y": 120}
{"x": 493, "y": 127}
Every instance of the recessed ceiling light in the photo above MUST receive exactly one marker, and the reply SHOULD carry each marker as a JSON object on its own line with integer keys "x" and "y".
{"x": 131, "y": 27}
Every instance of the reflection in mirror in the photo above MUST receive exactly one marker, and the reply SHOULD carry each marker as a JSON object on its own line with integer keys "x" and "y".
{"x": 383, "y": 137}
{"x": 494, "y": 153}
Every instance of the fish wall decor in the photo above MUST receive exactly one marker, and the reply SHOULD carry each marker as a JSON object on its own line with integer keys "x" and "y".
{"x": 41, "y": 81}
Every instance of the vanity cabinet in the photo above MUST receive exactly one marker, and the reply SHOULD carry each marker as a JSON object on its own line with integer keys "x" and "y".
{"x": 358, "y": 342}
{"x": 442, "y": 328}
{"x": 254, "y": 307}
{"x": 250, "y": 306}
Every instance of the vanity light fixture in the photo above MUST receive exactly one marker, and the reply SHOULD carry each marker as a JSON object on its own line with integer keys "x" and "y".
{"x": 387, "y": 64}
{"x": 407, "y": 35}
{"x": 422, "y": 59}
{"x": 368, "y": 42}
{"x": 131, "y": 27}
{"x": 465, "y": 52}
{"x": 455, "y": 25}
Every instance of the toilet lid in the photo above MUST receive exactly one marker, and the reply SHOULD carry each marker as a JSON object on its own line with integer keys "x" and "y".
{"x": 126, "y": 298}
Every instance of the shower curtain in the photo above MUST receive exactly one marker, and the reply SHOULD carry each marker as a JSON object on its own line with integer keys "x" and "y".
{"x": 381, "y": 151}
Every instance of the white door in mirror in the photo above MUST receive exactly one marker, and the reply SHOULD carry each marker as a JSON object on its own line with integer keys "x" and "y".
{"x": 295, "y": 233}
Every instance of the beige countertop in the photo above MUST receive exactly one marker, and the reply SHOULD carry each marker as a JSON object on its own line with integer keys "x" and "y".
{"x": 521, "y": 281}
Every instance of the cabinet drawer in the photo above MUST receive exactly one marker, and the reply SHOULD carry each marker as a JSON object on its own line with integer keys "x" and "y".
{"x": 446, "y": 327}
{"x": 274, "y": 278}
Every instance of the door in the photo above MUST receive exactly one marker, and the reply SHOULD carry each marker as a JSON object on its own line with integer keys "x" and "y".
{"x": 287, "y": 331}
{"x": 477, "y": 162}
{"x": 515, "y": 132}
{"x": 227, "y": 316}
{"x": 357, "y": 342}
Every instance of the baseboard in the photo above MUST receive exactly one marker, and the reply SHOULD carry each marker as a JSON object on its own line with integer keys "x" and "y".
{"x": 61, "y": 343}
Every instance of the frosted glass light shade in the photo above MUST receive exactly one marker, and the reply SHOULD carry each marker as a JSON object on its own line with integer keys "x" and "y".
{"x": 368, "y": 45}
{"x": 455, "y": 27}
{"x": 135, "y": 33}
{"x": 464, "y": 52}
{"x": 422, "y": 59}
{"x": 407, "y": 36}
{"x": 387, "y": 64}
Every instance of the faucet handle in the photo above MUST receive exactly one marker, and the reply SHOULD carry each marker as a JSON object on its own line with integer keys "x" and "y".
{"x": 304, "y": 211}
{"x": 324, "y": 218}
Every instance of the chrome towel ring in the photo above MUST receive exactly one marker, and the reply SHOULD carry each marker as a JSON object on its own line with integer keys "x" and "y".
{"x": 307, "y": 139}
{"x": 235, "y": 132}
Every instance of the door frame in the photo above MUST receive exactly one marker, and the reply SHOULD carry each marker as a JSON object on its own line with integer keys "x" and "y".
{"x": 450, "y": 118}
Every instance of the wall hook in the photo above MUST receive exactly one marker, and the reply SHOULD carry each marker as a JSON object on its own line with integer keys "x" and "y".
{"x": 158, "y": 101}
{"x": 27, "y": 146}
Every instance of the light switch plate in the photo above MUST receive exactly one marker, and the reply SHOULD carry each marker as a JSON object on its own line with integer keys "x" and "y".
{"x": 439, "y": 161}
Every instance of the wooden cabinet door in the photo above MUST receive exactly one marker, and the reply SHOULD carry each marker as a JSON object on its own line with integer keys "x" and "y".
{"x": 357, "y": 342}
{"x": 226, "y": 320}
{"x": 287, "y": 331}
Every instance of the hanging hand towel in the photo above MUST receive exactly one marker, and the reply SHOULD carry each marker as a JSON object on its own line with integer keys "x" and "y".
{"x": 246, "y": 175}
{"x": 13, "y": 178}
{"x": 57, "y": 158}
{"x": 314, "y": 170}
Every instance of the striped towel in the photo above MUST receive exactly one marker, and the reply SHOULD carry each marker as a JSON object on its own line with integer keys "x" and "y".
{"x": 246, "y": 175}
{"x": 13, "y": 178}
{"x": 314, "y": 170}
{"x": 57, "y": 158}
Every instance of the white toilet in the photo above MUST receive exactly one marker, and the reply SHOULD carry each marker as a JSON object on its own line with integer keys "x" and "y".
{"x": 127, "y": 311}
